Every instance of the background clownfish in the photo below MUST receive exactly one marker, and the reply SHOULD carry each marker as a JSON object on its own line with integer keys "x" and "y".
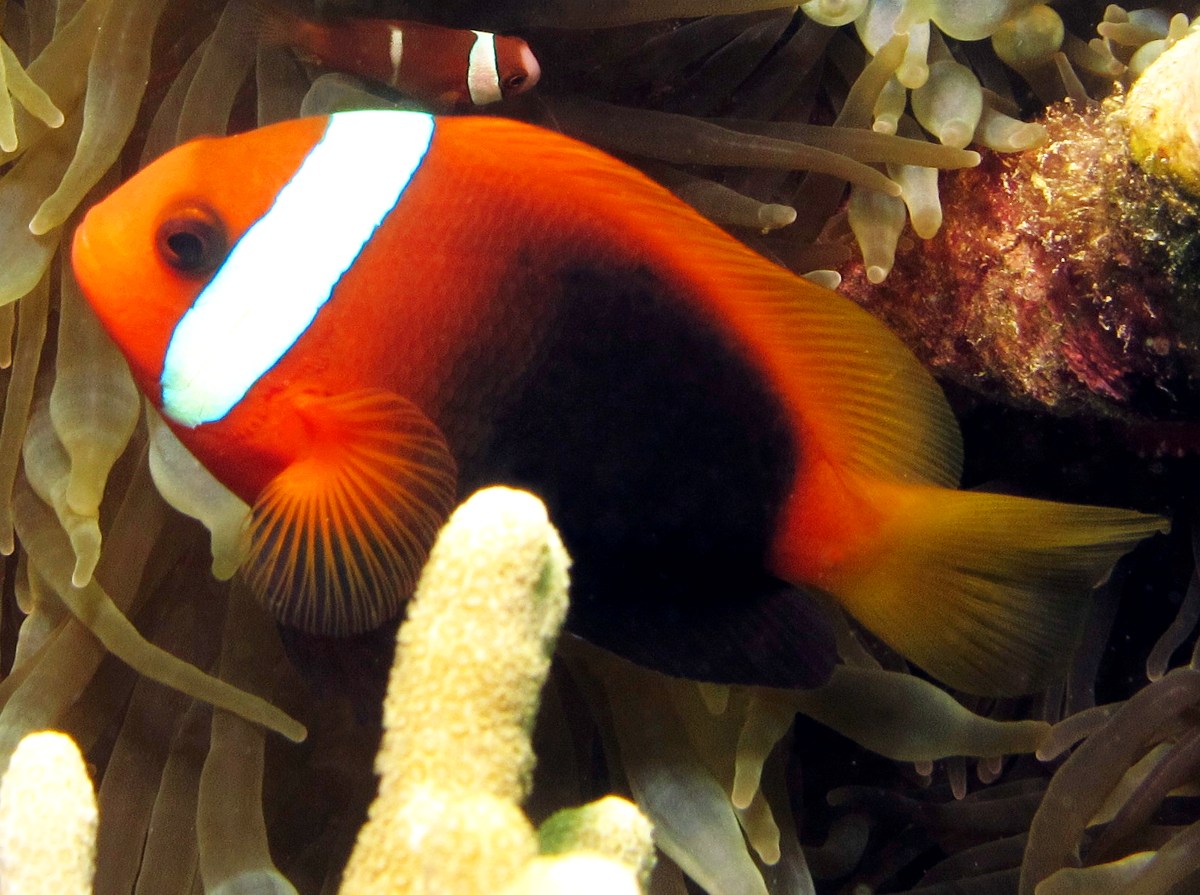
{"x": 349, "y": 319}
{"x": 443, "y": 66}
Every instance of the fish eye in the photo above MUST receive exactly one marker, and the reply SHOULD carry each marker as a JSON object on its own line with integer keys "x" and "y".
{"x": 514, "y": 81}
{"x": 192, "y": 241}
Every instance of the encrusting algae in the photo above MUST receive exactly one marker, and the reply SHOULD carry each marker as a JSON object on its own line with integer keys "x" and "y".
{"x": 721, "y": 109}
{"x": 1086, "y": 306}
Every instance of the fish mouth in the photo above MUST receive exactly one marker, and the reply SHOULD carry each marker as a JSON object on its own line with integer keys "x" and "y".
{"x": 87, "y": 266}
{"x": 81, "y": 250}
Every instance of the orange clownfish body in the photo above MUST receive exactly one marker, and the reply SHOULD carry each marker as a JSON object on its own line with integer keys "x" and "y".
{"x": 351, "y": 319}
{"x": 449, "y": 67}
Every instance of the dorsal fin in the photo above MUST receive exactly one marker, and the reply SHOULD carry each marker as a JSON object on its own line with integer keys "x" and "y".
{"x": 868, "y": 404}
{"x": 340, "y": 536}
{"x": 981, "y": 590}
{"x": 865, "y": 401}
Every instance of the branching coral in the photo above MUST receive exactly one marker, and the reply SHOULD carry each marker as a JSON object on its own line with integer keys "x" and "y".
{"x": 47, "y": 819}
{"x": 456, "y": 759}
{"x": 455, "y": 762}
{"x": 760, "y": 118}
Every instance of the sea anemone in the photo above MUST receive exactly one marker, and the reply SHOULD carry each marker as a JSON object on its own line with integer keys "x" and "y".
{"x": 760, "y": 116}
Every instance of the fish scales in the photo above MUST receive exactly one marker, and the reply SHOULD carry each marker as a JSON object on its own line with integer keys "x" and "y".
{"x": 377, "y": 311}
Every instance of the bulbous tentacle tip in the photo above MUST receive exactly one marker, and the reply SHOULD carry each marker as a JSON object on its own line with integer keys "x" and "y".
{"x": 85, "y": 541}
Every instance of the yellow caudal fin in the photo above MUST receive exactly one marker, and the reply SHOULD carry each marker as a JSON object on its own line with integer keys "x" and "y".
{"x": 340, "y": 536}
{"x": 986, "y": 592}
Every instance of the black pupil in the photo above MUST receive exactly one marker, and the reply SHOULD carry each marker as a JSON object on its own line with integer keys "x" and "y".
{"x": 188, "y": 250}
{"x": 516, "y": 80}
{"x": 192, "y": 241}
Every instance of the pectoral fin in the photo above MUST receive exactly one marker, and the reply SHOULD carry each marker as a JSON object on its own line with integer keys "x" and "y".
{"x": 340, "y": 536}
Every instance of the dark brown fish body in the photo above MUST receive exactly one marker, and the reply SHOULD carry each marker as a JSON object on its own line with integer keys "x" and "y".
{"x": 376, "y": 309}
{"x": 446, "y": 67}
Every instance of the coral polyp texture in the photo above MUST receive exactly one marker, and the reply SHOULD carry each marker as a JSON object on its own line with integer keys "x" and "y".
{"x": 1011, "y": 185}
{"x": 456, "y": 759}
{"x": 47, "y": 819}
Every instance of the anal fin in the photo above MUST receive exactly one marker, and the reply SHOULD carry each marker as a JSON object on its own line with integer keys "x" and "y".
{"x": 338, "y": 538}
{"x": 758, "y": 631}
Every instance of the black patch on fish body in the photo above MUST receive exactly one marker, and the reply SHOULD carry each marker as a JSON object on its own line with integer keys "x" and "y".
{"x": 664, "y": 459}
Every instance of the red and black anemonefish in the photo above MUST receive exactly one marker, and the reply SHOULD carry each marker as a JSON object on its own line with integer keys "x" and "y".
{"x": 351, "y": 319}
{"x": 443, "y": 66}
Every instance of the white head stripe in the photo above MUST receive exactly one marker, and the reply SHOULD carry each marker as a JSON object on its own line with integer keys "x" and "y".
{"x": 483, "y": 75}
{"x": 395, "y": 51}
{"x": 285, "y": 267}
